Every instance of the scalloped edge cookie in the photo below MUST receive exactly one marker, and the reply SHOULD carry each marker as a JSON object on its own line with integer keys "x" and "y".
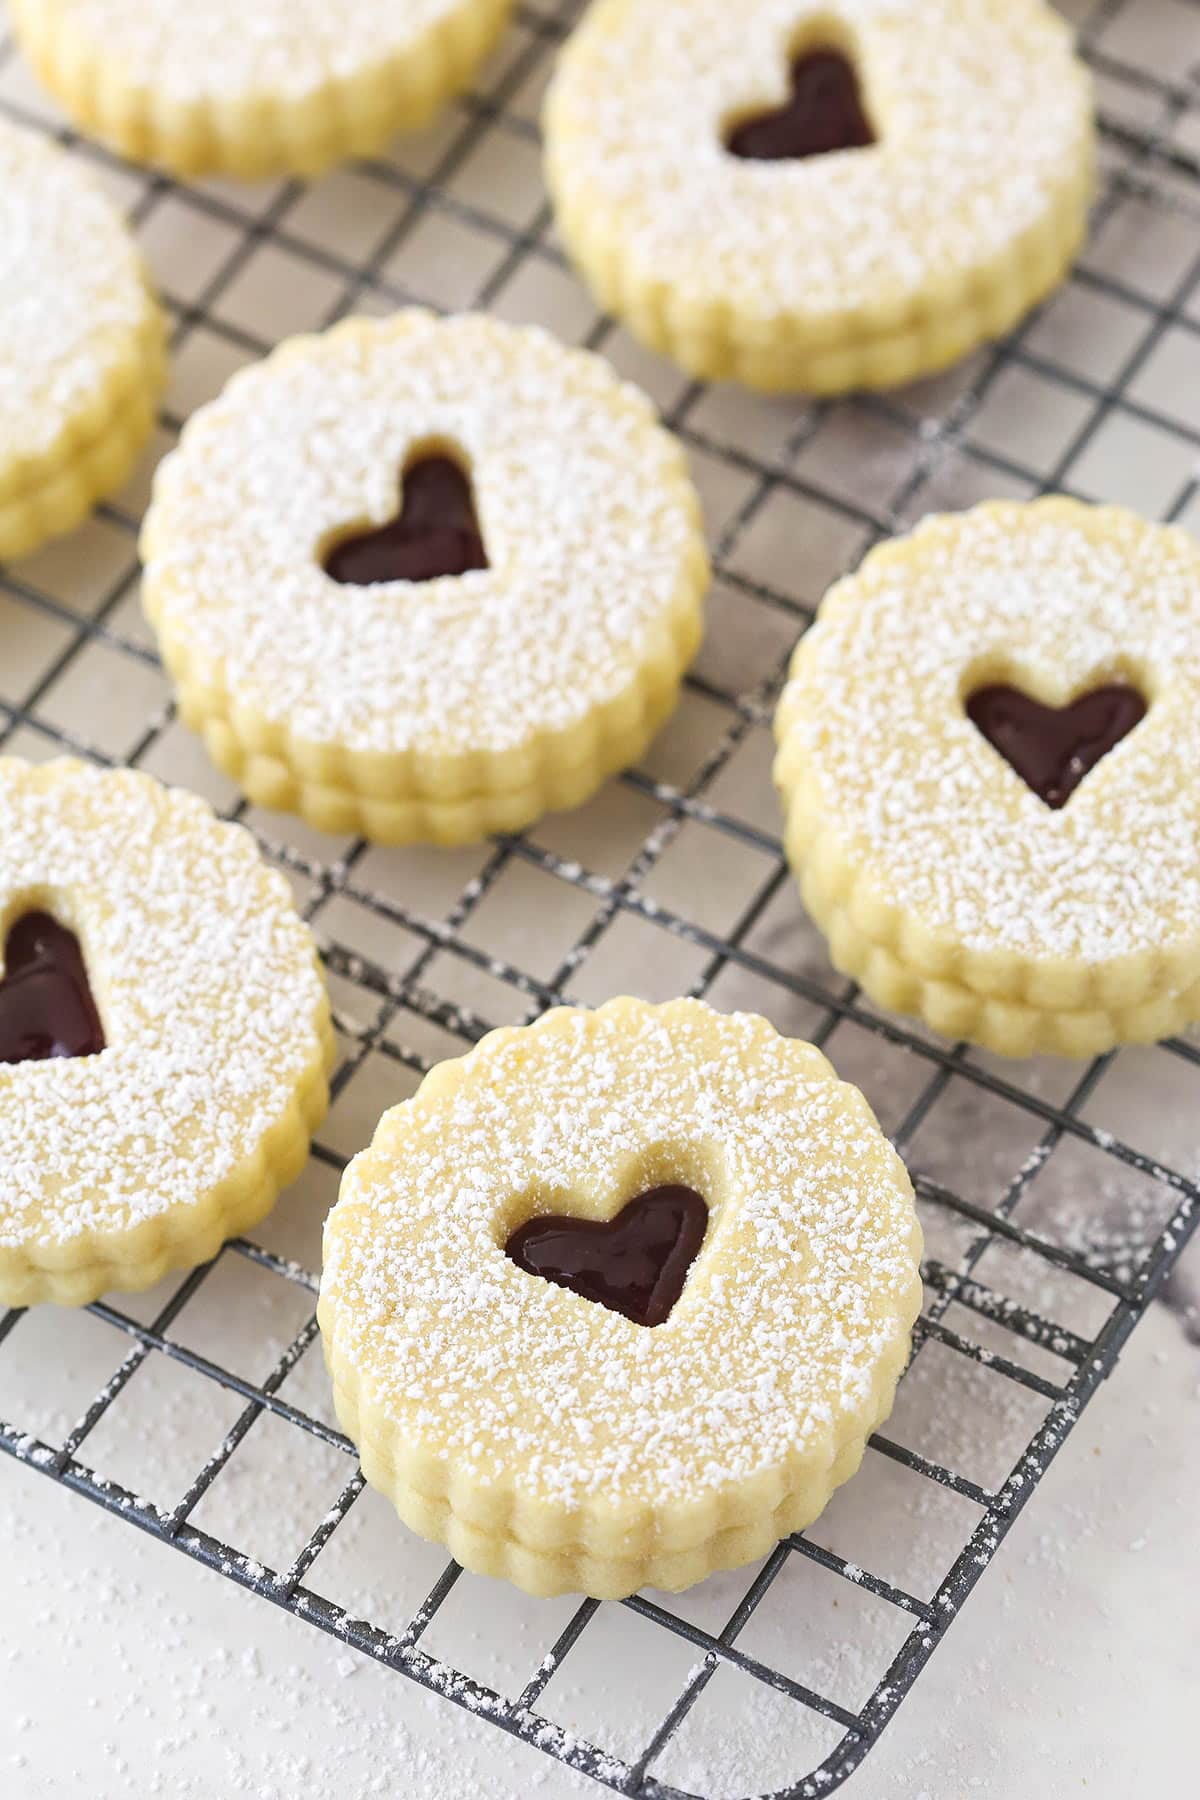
{"x": 120, "y": 1207}
{"x": 417, "y": 759}
{"x": 295, "y": 127}
{"x": 548, "y": 1439}
{"x": 1094, "y": 592}
{"x": 111, "y": 371}
{"x": 849, "y": 313}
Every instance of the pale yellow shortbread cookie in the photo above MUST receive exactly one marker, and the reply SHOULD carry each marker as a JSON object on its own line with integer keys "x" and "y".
{"x": 546, "y": 1438}
{"x": 81, "y": 344}
{"x": 254, "y": 87}
{"x": 860, "y": 267}
{"x": 944, "y": 883}
{"x": 117, "y": 1166}
{"x": 426, "y": 709}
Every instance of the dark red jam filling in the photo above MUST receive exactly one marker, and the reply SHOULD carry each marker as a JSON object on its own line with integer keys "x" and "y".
{"x": 46, "y": 1005}
{"x": 823, "y": 112}
{"x": 436, "y": 532}
{"x": 635, "y": 1264}
{"x": 1052, "y": 748}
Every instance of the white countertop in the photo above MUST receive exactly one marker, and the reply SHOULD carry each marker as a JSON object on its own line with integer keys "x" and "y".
{"x": 1073, "y": 1670}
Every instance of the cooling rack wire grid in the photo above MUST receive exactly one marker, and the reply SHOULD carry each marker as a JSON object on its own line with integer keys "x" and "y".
{"x": 1056, "y": 1199}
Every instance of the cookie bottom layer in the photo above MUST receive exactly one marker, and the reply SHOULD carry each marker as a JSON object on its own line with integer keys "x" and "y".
{"x": 384, "y": 799}
{"x": 77, "y": 1272}
{"x": 62, "y": 493}
{"x": 795, "y": 354}
{"x": 656, "y": 1551}
{"x": 266, "y": 133}
{"x": 1147, "y": 999}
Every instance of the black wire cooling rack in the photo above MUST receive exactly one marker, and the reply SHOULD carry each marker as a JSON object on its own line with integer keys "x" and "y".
{"x": 1136, "y": 289}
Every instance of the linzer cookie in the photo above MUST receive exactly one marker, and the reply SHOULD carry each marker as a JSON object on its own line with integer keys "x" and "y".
{"x": 425, "y": 579}
{"x": 618, "y": 1297}
{"x": 81, "y": 345}
{"x": 254, "y": 87}
{"x": 851, "y": 195}
{"x": 986, "y": 752}
{"x": 164, "y": 1032}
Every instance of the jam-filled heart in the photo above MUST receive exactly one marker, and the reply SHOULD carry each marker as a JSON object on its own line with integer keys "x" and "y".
{"x": 635, "y": 1264}
{"x": 823, "y": 112}
{"x": 435, "y": 533}
{"x": 46, "y": 1005}
{"x": 1052, "y": 748}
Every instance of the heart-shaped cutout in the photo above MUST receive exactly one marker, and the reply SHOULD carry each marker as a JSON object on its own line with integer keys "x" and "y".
{"x": 435, "y": 533}
{"x": 635, "y": 1264}
{"x": 46, "y": 1005}
{"x": 1052, "y": 748}
{"x": 823, "y": 112}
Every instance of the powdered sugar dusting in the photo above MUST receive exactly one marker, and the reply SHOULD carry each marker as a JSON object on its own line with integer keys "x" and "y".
{"x": 805, "y": 1286}
{"x": 208, "y": 989}
{"x": 1056, "y": 598}
{"x": 981, "y": 117}
{"x": 231, "y": 48}
{"x": 589, "y": 525}
{"x": 72, "y": 298}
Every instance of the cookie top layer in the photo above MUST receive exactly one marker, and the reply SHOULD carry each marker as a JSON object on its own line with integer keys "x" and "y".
{"x": 982, "y": 118}
{"x": 805, "y": 1283}
{"x": 1055, "y": 599}
{"x": 74, "y": 306}
{"x": 208, "y": 988}
{"x": 231, "y": 48}
{"x": 590, "y": 524}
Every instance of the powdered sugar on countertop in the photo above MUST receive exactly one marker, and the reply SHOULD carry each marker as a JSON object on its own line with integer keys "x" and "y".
{"x": 982, "y": 122}
{"x": 1058, "y": 598}
{"x": 591, "y": 533}
{"x": 150, "y": 1652}
{"x": 208, "y": 989}
{"x": 72, "y": 298}
{"x": 806, "y": 1281}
